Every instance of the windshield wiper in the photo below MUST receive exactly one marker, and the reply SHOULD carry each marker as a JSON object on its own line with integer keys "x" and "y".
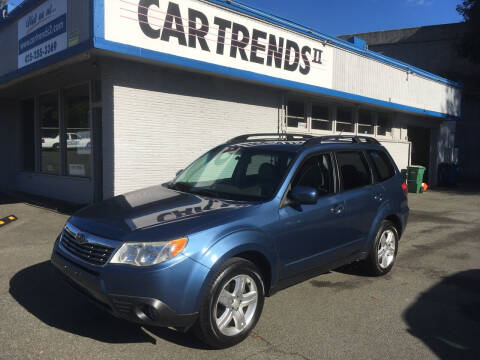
{"x": 179, "y": 186}
{"x": 208, "y": 192}
{"x": 211, "y": 193}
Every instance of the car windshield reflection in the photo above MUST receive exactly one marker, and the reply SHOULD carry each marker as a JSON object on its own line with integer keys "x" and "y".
{"x": 236, "y": 173}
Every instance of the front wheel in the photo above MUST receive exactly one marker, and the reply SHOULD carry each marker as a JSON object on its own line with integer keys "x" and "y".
{"x": 232, "y": 305}
{"x": 384, "y": 250}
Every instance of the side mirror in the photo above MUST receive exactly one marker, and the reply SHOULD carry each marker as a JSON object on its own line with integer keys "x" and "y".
{"x": 304, "y": 195}
{"x": 178, "y": 172}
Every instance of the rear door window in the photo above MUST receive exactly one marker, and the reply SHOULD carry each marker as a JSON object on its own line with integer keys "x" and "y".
{"x": 354, "y": 170}
{"x": 382, "y": 165}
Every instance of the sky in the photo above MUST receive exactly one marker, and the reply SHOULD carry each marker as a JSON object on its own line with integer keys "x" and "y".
{"x": 338, "y": 17}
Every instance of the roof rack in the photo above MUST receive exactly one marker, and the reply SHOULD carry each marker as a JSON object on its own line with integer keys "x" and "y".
{"x": 270, "y": 136}
{"x": 341, "y": 138}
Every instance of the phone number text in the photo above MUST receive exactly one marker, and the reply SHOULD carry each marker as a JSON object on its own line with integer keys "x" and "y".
{"x": 40, "y": 52}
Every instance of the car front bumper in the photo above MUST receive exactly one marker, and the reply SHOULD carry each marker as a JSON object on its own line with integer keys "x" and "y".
{"x": 131, "y": 305}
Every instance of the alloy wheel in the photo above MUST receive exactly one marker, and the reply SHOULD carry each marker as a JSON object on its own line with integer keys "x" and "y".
{"x": 236, "y": 304}
{"x": 386, "y": 249}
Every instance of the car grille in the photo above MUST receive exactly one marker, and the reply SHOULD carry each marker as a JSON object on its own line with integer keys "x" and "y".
{"x": 90, "y": 252}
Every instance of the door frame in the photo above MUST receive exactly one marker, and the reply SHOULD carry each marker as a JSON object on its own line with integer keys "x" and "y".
{"x": 96, "y": 125}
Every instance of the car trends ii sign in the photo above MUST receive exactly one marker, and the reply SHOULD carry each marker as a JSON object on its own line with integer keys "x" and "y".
{"x": 206, "y": 32}
{"x": 42, "y": 32}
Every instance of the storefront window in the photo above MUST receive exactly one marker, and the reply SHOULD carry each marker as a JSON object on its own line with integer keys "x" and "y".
{"x": 296, "y": 115}
{"x": 49, "y": 132}
{"x": 321, "y": 117}
{"x": 365, "y": 122}
{"x": 78, "y": 136}
{"x": 345, "y": 120}
{"x": 384, "y": 126}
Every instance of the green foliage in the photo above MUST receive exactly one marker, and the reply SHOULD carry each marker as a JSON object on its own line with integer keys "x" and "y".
{"x": 3, "y": 3}
{"x": 469, "y": 45}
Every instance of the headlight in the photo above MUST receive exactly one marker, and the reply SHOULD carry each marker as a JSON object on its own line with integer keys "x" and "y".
{"x": 147, "y": 254}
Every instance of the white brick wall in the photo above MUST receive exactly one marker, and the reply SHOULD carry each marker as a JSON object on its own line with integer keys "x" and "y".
{"x": 367, "y": 77}
{"x": 164, "y": 119}
{"x": 400, "y": 152}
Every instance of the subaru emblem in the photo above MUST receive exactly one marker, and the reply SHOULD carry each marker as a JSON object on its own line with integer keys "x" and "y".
{"x": 80, "y": 238}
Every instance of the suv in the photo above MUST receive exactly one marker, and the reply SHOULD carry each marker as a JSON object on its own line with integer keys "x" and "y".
{"x": 247, "y": 218}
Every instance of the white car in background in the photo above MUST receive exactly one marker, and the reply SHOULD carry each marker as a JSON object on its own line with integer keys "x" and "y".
{"x": 74, "y": 141}
{"x": 51, "y": 143}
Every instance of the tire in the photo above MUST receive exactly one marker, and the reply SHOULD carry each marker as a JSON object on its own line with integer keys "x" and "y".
{"x": 380, "y": 262}
{"x": 56, "y": 146}
{"x": 219, "y": 323}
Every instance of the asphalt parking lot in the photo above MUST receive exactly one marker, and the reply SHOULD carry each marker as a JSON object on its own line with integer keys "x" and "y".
{"x": 428, "y": 307}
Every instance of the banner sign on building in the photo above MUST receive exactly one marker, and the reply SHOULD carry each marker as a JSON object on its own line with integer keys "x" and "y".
{"x": 209, "y": 33}
{"x": 42, "y": 32}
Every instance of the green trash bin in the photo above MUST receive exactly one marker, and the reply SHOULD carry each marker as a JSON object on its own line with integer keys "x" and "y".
{"x": 415, "y": 178}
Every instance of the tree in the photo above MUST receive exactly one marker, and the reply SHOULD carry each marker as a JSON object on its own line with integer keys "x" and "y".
{"x": 3, "y": 9}
{"x": 469, "y": 45}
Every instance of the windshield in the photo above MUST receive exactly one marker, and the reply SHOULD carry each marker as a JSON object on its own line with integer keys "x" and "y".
{"x": 235, "y": 172}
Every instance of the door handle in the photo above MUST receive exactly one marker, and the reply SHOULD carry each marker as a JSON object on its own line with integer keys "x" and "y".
{"x": 337, "y": 210}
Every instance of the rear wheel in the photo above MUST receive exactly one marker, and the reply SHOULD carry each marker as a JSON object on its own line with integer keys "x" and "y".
{"x": 384, "y": 250}
{"x": 232, "y": 306}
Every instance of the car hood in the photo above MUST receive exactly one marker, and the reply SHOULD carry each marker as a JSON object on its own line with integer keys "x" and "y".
{"x": 154, "y": 214}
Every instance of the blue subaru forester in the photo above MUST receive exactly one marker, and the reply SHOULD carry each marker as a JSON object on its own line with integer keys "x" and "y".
{"x": 247, "y": 218}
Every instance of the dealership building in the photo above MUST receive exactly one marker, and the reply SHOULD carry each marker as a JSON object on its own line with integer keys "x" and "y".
{"x": 101, "y": 97}
{"x": 435, "y": 49}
